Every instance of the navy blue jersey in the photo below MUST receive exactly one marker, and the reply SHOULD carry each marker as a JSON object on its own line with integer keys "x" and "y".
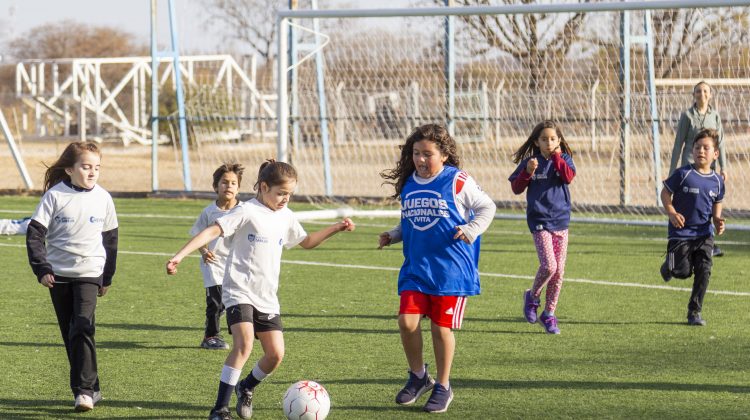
{"x": 434, "y": 262}
{"x": 548, "y": 196}
{"x": 693, "y": 196}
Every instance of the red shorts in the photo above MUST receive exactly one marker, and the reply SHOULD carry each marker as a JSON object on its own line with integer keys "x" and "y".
{"x": 445, "y": 311}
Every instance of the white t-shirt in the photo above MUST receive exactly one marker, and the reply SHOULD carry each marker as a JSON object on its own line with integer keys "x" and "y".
{"x": 213, "y": 273}
{"x": 254, "y": 261}
{"x": 75, "y": 221}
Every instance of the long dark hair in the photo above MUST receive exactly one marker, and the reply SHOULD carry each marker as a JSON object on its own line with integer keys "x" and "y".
{"x": 529, "y": 148}
{"x": 275, "y": 173}
{"x": 405, "y": 165}
{"x": 56, "y": 173}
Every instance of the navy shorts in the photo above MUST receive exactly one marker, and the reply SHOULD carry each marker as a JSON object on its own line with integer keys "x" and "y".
{"x": 262, "y": 322}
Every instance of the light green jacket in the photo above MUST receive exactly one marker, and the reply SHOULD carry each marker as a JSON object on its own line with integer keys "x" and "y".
{"x": 691, "y": 122}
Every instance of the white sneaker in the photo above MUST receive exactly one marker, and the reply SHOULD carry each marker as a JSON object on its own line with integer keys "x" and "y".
{"x": 84, "y": 403}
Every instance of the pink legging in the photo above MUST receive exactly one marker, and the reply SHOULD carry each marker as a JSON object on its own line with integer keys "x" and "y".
{"x": 552, "y": 248}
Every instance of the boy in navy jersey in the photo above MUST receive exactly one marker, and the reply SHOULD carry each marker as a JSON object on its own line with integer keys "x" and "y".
{"x": 692, "y": 198}
{"x": 443, "y": 212}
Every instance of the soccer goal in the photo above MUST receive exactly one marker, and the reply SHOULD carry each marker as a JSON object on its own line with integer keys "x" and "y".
{"x": 605, "y": 71}
{"x": 349, "y": 85}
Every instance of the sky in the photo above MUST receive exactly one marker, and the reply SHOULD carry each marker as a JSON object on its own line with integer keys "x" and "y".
{"x": 19, "y": 16}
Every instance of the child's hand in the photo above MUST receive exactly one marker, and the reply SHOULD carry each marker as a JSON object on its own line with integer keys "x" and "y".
{"x": 48, "y": 280}
{"x": 102, "y": 291}
{"x": 172, "y": 265}
{"x": 677, "y": 220}
{"x": 384, "y": 239}
{"x": 460, "y": 235}
{"x": 208, "y": 257}
{"x": 346, "y": 225}
{"x": 719, "y": 225}
{"x": 531, "y": 166}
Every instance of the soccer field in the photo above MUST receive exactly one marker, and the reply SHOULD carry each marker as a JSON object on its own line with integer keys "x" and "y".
{"x": 625, "y": 350}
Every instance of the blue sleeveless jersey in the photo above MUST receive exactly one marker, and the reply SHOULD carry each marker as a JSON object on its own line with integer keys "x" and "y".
{"x": 434, "y": 262}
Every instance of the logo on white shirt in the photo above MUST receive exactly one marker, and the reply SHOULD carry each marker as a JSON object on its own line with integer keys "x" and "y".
{"x": 94, "y": 219}
{"x": 257, "y": 238}
{"x": 65, "y": 219}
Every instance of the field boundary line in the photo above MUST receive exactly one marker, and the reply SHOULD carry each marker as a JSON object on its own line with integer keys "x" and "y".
{"x": 482, "y": 274}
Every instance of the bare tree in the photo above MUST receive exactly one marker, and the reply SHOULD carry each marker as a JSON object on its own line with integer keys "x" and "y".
{"x": 250, "y": 22}
{"x": 534, "y": 40}
{"x": 679, "y": 33}
{"x": 69, "y": 39}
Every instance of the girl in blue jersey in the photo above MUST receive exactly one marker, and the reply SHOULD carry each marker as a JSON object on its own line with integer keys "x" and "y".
{"x": 692, "y": 198}
{"x": 443, "y": 212}
{"x": 545, "y": 167}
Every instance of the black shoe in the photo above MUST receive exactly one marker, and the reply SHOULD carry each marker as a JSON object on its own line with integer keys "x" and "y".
{"x": 717, "y": 252}
{"x": 244, "y": 401}
{"x": 220, "y": 414}
{"x": 414, "y": 388}
{"x": 214, "y": 343}
{"x": 665, "y": 274}
{"x": 695, "y": 319}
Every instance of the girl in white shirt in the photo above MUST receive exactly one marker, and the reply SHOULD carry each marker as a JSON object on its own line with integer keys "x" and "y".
{"x": 72, "y": 247}
{"x": 259, "y": 228}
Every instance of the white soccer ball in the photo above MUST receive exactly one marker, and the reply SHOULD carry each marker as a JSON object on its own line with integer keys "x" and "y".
{"x": 306, "y": 400}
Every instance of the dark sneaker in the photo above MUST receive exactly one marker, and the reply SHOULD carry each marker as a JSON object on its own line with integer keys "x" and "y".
{"x": 244, "y": 401}
{"x": 439, "y": 400}
{"x": 717, "y": 252}
{"x": 530, "y": 306}
{"x": 214, "y": 343}
{"x": 414, "y": 388}
{"x": 664, "y": 271}
{"x": 549, "y": 323}
{"x": 696, "y": 319}
{"x": 220, "y": 414}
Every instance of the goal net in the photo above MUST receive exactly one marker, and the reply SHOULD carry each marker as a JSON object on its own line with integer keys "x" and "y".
{"x": 493, "y": 81}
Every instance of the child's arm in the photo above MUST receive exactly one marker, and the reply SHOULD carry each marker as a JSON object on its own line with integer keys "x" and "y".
{"x": 391, "y": 237}
{"x": 524, "y": 177}
{"x": 207, "y": 235}
{"x": 561, "y": 166}
{"x": 316, "y": 238}
{"x": 675, "y": 218}
{"x": 718, "y": 220}
{"x": 484, "y": 213}
{"x": 207, "y": 255}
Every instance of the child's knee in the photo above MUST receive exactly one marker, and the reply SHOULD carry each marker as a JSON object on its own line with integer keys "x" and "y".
{"x": 275, "y": 357}
{"x": 547, "y": 270}
{"x": 408, "y": 322}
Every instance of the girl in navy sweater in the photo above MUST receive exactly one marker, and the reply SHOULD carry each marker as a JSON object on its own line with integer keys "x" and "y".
{"x": 546, "y": 168}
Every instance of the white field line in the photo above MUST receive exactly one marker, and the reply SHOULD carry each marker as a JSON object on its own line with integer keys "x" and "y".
{"x": 387, "y": 226}
{"x": 499, "y": 275}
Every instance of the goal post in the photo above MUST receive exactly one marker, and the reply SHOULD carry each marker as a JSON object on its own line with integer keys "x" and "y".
{"x": 508, "y": 80}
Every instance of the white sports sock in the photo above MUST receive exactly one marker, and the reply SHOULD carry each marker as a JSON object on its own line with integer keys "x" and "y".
{"x": 420, "y": 374}
{"x": 230, "y": 375}
{"x": 258, "y": 373}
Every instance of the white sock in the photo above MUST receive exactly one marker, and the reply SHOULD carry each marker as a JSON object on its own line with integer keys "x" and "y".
{"x": 230, "y": 375}
{"x": 258, "y": 373}
{"x": 420, "y": 374}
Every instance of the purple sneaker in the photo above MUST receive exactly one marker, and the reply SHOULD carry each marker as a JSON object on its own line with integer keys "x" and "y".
{"x": 414, "y": 388}
{"x": 549, "y": 322}
{"x": 439, "y": 400}
{"x": 530, "y": 306}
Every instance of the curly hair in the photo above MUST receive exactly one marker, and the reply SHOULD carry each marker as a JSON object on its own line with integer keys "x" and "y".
{"x": 435, "y": 133}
